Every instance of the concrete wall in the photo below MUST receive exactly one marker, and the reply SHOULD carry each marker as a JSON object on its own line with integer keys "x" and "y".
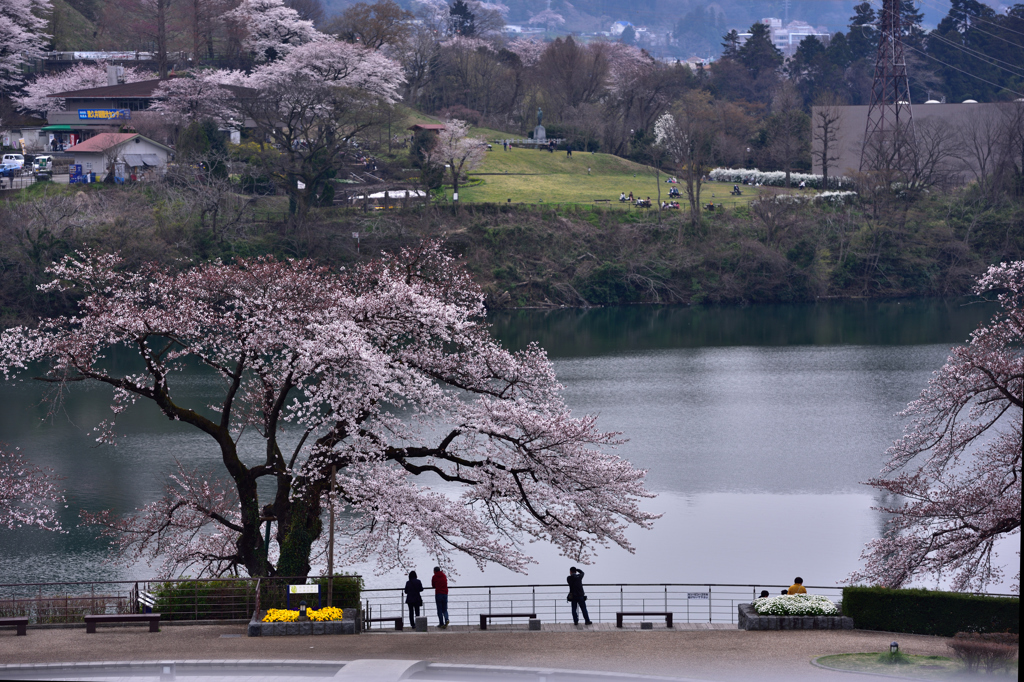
{"x": 954, "y": 118}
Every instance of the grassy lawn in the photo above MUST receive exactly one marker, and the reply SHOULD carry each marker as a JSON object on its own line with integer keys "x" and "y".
{"x": 920, "y": 667}
{"x": 532, "y": 176}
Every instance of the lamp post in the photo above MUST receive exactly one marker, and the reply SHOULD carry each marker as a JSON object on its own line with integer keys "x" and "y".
{"x": 330, "y": 542}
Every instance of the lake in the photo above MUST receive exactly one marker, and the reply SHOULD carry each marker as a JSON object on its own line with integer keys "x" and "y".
{"x": 757, "y": 425}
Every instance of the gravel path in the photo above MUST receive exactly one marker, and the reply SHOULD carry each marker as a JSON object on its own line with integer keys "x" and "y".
{"x": 705, "y": 654}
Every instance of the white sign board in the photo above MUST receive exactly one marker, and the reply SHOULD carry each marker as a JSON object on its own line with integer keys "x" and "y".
{"x": 696, "y": 595}
{"x": 304, "y": 589}
{"x": 355, "y": 235}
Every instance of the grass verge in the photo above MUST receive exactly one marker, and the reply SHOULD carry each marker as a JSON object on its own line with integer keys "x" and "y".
{"x": 910, "y": 666}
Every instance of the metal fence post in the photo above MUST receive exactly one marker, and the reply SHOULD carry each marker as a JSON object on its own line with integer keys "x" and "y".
{"x": 666, "y": 597}
{"x": 489, "y": 601}
{"x": 533, "y": 599}
{"x": 709, "y": 603}
{"x": 620, "y": 599}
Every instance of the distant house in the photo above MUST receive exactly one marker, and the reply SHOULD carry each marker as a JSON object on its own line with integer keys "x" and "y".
{"x": 618, "y": 27}
{"x": 134, "y": 154}
{"x": 432, "y": 127}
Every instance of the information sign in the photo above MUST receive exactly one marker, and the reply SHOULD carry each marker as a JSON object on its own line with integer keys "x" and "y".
{"x": 696, "y": 595}
{"x": 304, "y": 589}
{"x": 103, "y": 114}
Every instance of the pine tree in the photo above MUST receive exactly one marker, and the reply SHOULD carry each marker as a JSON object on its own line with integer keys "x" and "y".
{"x": 731, "y": 46}
{"x": 863, "y": 37}
{"x": 758, "y": 54}
{"x": 463, "y": 21}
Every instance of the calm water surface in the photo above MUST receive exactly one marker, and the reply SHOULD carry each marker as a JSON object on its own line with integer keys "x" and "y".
{"x": 757, "y": 426}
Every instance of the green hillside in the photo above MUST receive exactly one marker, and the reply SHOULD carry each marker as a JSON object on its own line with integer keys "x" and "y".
{"x": 71, "y": 29}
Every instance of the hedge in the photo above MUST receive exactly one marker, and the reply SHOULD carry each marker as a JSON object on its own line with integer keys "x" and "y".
{"x": 927, "y": 612}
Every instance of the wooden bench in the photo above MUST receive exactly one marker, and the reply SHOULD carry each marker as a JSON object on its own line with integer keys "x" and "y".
{"x": 620, "y": 614}
{"x": 19, "y": 622}
{"x": 485, "y": 616}
{"x": 602, "y": 201}
{"x": 92, "y": 620}
{"x": 399, "y": 621}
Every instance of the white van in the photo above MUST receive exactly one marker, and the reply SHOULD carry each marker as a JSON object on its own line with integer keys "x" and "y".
{"x": 13, "y": 160}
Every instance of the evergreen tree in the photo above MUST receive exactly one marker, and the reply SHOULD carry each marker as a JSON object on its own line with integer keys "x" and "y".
{"x": 863, "y": 37}
{"x": 463, "y": 21}
{"x": 731, "y": 46}
{"x": 758, "y": 54}
{"x": 628, "y": 36}
{"x": 838, "y": 51}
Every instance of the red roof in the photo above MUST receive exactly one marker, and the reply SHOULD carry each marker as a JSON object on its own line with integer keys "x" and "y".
{"x": 102, "y": 142}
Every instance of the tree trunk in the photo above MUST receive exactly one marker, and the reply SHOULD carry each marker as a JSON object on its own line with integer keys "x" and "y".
{"x": 161, "y": 37}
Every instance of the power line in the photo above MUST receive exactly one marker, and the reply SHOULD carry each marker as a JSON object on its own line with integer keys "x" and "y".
{"x": 966, "y": 73}
{"x": 973, "y": 18}
{"x": 980, "y": 55}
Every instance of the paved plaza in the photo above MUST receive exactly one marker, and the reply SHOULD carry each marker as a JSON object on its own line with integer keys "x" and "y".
{"x": 693, "y": 651}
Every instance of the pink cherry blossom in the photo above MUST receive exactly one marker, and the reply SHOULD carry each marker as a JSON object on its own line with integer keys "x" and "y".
{"x": 956, "y": 473}
{"x": 81, "y": 76}
{"x": 27, "y": 493}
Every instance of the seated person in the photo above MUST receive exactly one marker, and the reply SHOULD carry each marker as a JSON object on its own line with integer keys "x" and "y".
{"x": 797, "y": 587}
{"x": 622, "y": 196}
{"x": 764, "y": 593}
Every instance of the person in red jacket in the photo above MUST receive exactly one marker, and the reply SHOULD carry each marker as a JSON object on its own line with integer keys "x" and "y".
{"x": 440, "y": 584}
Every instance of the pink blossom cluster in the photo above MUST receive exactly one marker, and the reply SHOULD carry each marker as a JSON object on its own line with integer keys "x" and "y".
{"x": 81, "y": 76}
{"x": 28, "y": 493}
{"x": 956, "y": 473}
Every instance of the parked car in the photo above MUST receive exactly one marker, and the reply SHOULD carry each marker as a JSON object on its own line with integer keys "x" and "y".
{"x": 9, "y": 170}
{"x": 42, "y": 163}
{"x": 13, "y": 159}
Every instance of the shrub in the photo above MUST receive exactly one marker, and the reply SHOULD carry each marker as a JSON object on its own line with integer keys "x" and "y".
{"x": 926, "y": 612}
{"x": 348, "y": 590}
{"x": 796, "y": 605}
{"x": 993, "y": 651}
{"x": 205, "y": 599}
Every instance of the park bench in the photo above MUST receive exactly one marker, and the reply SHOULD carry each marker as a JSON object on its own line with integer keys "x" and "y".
{"x": 710, "y": 207}
{"x": 485, "y": 616}
{"x": 620, "y": 614}
{"x": 602, "y": 201}
{"x": 736, "y": 193}
{"x": 19, "y": 622}
{"x": 92, "y": 620}
{"x": 399, "y": 621}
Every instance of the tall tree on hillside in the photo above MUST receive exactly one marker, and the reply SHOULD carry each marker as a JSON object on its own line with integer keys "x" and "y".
{"x": 374, "y": 26}
{"x": 786, "y": 129}
{"x": 731, "y": 45}
{"x": 462, "y": 19}
{"x": 381, "y": 374}
{"x": 826, "y": 125}
{"x": 956, "y": 473}
{"x": 759, "y": 54}
{"x": 271, "y": 28}
{"x": 145, "y": 25}
{"x": 863, "y": 35}
{"x": 689, "y": 135}
{"x": 23, "y": 37}
{"x": 309, "y": 104}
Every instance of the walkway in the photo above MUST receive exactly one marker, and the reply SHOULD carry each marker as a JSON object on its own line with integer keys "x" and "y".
{"x": 709, "y": 654}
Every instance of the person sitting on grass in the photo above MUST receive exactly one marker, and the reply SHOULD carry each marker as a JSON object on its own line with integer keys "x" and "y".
{"x": 622, "y": 196}
{"x": 797, "y": 587}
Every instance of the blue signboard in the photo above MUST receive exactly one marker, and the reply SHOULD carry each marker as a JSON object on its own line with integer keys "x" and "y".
{"x": 104, "y": 114}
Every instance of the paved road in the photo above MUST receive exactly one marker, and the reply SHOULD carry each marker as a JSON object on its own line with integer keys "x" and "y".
{"x": 703, "y": 654}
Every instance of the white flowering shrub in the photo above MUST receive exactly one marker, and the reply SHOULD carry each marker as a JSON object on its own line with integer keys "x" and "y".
{"x": 796, "y": 605}
{"x": 833, "y": 198}
{"x": 775, "y": 178}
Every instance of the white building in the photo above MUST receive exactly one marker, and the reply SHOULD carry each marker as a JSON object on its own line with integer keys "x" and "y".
{"x": 787, "y": 38}
{"x": 129, "y": 154}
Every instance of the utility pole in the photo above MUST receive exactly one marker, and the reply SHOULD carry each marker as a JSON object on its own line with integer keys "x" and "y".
{"x": 330, "y": 542}
{"x": 889, "y": 132}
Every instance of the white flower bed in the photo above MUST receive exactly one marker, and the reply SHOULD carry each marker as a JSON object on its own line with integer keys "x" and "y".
{"x": 832, "y": 197}
{"x": 774, "y": 178}
{"x": 796, "y": 605}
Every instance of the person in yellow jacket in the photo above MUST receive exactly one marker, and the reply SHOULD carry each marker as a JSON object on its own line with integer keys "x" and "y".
{"x": 797, "y": 587}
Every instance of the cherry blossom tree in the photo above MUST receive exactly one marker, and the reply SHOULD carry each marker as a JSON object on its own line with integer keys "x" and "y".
{"x": 36, "y": 97}
{"x": 27, "y": 493}
{"x": 958, "y": 466}
{"x": 22, "y": 36}
{"x": 689, "y": 135}
{"x": 528, "y": 50}
{"x": 386, "y": 375}
{"x": 193, "y": 98}
{"x": 547, "y": 18}
{"x": 271, "y": 28}
{"x": 458, "y": 151}
{"x": 310, "y": 103}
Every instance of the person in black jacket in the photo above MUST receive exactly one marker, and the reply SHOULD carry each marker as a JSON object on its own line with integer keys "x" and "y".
{"x": 413, "y": 597}
{"x": 577, "y": 596}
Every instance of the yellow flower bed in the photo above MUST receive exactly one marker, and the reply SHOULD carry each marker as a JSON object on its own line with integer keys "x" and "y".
{"x": 326, "y": 613}
{"x": 290, "y": 616}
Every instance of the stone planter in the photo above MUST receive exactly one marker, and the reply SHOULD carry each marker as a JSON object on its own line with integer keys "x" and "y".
{"x": 349, "y": 625}
{"x": 749, "y": 619}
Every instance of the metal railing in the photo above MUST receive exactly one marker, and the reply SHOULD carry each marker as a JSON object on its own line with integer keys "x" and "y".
{"x": 688, "y": 602}
{"x": 177, "y": 600}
